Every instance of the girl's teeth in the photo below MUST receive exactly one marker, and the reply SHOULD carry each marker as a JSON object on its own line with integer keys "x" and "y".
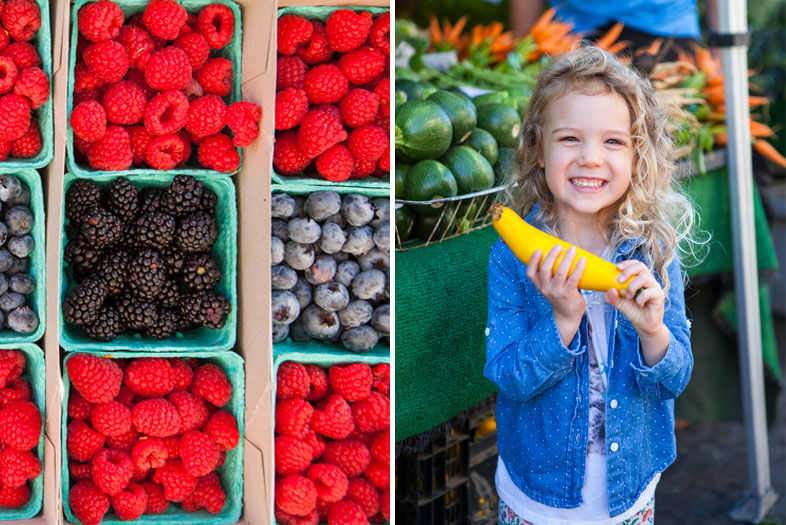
{"x": 587, "y": 183}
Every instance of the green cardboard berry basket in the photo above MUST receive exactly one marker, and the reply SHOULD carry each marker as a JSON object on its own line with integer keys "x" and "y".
{"x": 35, "y": 375}
{"x": 42, "y": 41}
{"x": 231, "y": 472}
{"x": 72, "y": 337}
{"x": 231, "y": 51}
{"x": 322, "y": 13}
{"x": 37, "y": 299}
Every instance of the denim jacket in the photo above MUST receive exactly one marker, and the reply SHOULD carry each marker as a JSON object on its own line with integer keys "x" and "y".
{"x": 542, "y": 405}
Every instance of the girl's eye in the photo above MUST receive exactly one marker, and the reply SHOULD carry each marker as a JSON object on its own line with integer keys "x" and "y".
{"x": 569, "y": 139}
{"x": 617, "y": 142}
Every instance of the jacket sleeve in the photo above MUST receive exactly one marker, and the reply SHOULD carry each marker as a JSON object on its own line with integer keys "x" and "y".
{"x": 669, "y": 377}
{"x": 524, "y": 352}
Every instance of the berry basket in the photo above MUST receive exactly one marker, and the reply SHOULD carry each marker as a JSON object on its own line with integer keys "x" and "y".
{"x": 72, "y": 337}
{"x": 130, "y": 8}
{"x": 42, "y": 41}
{"x": 230, "y": 473}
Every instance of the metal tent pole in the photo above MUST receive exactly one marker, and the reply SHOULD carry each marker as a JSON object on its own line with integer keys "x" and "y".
{"x": 733, "y": 40}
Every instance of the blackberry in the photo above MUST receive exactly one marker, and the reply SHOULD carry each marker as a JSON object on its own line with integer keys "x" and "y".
{"x": 81, "y": 256}
{"x": 209, "y": 201}
{"x": 169, "y": 295}
{"x": 174, "y": 260}
{"x": 134, "y": 313}
{"x": 146, "y": 274}
{"x": 205, "y": 308}
{"x": 100, "y": 228}
{"x": 114, "y": 270}
{"x": 183, "y": 196}
{"x": 201, "y": 273}
{"x": 154, "y": 229}
{"x": 196, "y": 233}
{"x": 151, "y": 200}
{"x": 81, "y": 197}
{"x": 165, "y": 325}
{"x": 83, "y": 303}
{"x": 123, "y": 199}
{"x": 106, "y": 327}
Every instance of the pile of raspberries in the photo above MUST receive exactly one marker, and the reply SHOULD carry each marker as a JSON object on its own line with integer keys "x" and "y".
{"x": 146, "y": 432}
{"x": 20, "y": 430}
{"x": 145, "y": 91}
{"x": 333, "y": 95}
{"x": 332, "y": 448}
{"x": 23, "y": 84}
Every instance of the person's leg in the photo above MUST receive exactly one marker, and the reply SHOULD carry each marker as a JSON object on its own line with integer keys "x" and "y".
{"x": 645, "y": 516}
{"x": 506, "y": 516}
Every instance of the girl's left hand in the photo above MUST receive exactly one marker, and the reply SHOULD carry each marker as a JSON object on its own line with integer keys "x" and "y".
{"x": 645, "y": 310}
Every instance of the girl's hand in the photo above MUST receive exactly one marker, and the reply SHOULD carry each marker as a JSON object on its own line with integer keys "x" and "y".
{"x": 644, "y": 299}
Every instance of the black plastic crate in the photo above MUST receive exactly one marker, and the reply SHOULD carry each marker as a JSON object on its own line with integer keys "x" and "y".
{"x": 449, "y": 508}
{"x": 482, "y": 493}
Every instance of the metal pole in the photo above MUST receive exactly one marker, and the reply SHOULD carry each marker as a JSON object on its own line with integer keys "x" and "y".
{"x": 760, "y": 498}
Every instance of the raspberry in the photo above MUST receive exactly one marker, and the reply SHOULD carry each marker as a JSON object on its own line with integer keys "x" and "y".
{"x": 211, "y": 383}
{"x": 296, "y": 495}
{"x": 379, "y": 36}
{"x": 207, "y": 495}
{"x": 124, "y": 441}
{"x": 78, "y": 471}
{"x": 359, "y": 107}
{"x": 291, "y": 107}
{"x": 12, "y": 364}
{"x": 222, "y": 428}
{"x": 100, "y": 21}
{"x": 381, "y": 373}
{"x": 130, "y": 503}
{"x": 319, "y": 132}
{"x": 124, "y": 103}
{"x": 290, "y": 72}
{"x": 242, "y": 118}
{"x": 318, "y": 382}
{"x": 164, "y": 152}
{"x": 215, "y": 76}
{"x": 86, "y": 95}
{"x": 176, "y": 480}
{"x": 182, "y": 373}
{"x": 156, "y": 502}
{"x": 293, "y": 417}
{"x": 111, "y": 419}
{"x": 325, "y": 84}
{"x": 347, "y": 30}
{"x": 21, "y": 18}
{"x": 4, "y": 39}
{"x": 336, "y": 163}
{"x": 288, "y": 519}
{"x": 384, "y": 162}
{"x": 364, "y": 494}
{"x": 8, "y": 74}
{"x": 196, "y": 48}
{"x": 316, "y": 443}
{"x": 166, "y": 113}
{"x": 293, "y": 31}
{"x": 16, "y": 116}
{"x": 88, "y": 120}
{"x": 140, "y": 137}
{"x": 23, "y": 54}
{"x": 333, "y": 418}
{"x": 193, "y": 411}
{"x": 108, "y": 60}
{"x": 88, "y": 502}
{"x": 292, "y": 380}
{"x": 378, "y": 474}
{"x": 82, "y": 441}
{"x": 85, "y": 78}
{"x": 29, "y": 144}
{"x": 287, "y": 158}
{"x": 331, "y": 483}
{"x": 149, "y": 453}
{"x": 17, "y": 466}
{"x": 5, "y": 149}
{"x": 112, "y": 151}
{"x": 351, "y": 456}
{"x": 367, "y": 143}
{"x": 206, "y": 116}
{"x": 216, "y": 152}
{"x": 111, "y": 470}
{"x": 164, "y": 18}
{"x": 380, "y": 447}
{"x": 172, "y": 444}
{"x": 168, "y": 69}
{"x": 346, "y": 512}
{"x": 20, "y": 425}
{"x": 198, "y": 452}
{"x": 138, "y": 44}
{"x": 217, "y": 24}
{"x": 352, "y": 382}
{"x": 372, "y": 414}
{"x": 138, "y": 77}
{"x": 318, "y": 50}
{"x": 156, "y": 417}
{"x": 362, "y": 65}
{"x": 382, "y": 90}
{"x": 15, "y": 390}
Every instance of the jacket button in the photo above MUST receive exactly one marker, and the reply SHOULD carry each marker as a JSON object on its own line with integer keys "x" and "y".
{"x": 614, "y": 447}
{"x": 577, "y": 437}
{"x": 613, "y": 403}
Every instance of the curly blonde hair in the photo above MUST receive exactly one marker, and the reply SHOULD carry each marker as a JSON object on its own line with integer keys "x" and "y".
{"x": 652, "y": 210}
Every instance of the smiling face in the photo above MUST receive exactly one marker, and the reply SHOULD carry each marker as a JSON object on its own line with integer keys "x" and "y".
{"x": 587, "y": 155}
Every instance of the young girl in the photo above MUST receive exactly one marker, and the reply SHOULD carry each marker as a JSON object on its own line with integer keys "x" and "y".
{"x": 587, "y": 381}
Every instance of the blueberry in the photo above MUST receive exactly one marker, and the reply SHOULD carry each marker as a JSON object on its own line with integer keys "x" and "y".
{"x": 6, "y": 260}
{"x": 333, "y": 238}
{"x": 284, "y": 306}
{"x": 337, "y": 218}
{"x": 282, "y": 206}
{"x": 23, "y": 199}
{"x": 356, "y": 313}
{"x": 282, "y": 277}
{"x": 304, "y": 230}
{"x": 299, "y": 201}
{"x": 381, "y": 319}
{"x": 331, "y": 297}
{"x": 375, "y": 260}
{"x": 19, "y": 220}
{"x": 21, "y": 283}
{"x": 320, "y": 324}
{"x": 382, "y": 236}
{"x": 303, "y": 292}
{"x": 322, "y": 271}
{"x": 322, "y": 204}
{"x": 381, "y": 211}
{"x": 341, "y": 257}
{"x": 278, "y": 228}
{"x": 360, "y": 339}
{"x": 10, "y": 187}
{"x": 11, "y": 301}
{"x": 297, "y": 332}
{"x": 4, "y": 284}
{"x": 23, "y": 320}
{"x": 369, "y": 284}
{"x": 360, "y": 239}
{"x": 3, "y": 233}
{"x": 357, "y": 209}
{"x": 276, "y": 250}
{"x": 18, "y": 265}
{"x": 346, "y": 272}
{"x": 299, "y": 256}
{"x": 21, "y": 246}
{"x": 280, "y": 332}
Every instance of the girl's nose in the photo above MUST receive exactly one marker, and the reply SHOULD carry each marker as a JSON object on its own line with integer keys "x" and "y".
{"x": 591, "y": 154}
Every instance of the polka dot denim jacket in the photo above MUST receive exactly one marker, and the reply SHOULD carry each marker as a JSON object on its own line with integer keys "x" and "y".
{"x": 542, "y": 406}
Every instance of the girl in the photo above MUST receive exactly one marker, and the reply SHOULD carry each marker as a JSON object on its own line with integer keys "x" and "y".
{"x": 587, "y": 381}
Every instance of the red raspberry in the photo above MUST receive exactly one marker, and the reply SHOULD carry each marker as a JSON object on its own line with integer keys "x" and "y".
{"x": 293, "y": 381}
{"x": 331, "y": 483}
{"x": 217, "y": 24}
{"x": 182, "y": 373}
{"x": 325, "y": 84}
{"x": 382, "y": 90}
{"x": 111, "y": 152}
{"x": 124, "y": 441}
{"x": 156, "y": 417}
{"x": 296, "y": 495}
{"x": 211, "y": 383}
{"x": 124, "y": 103}
{"x": 380, "y": 447}
{"x": 111, "y": 470}
{"x": 292, "y": 455}
{"x": 85, "y": 78}
{"x": 138, "y": 77}
{"x": 378, "y": 474}
{"x": 217, "y": 152}
{"x": 352, "y": 382}
{"x": 168, "y": 69}
{"x": 242, "y": 118}
{"x": 363, "y": 168}
{"x": 291, "y": 107}
{"x": 79, "y": 471}
{"x": 156, "y": 502}
{"x": 140, "y": 137}
{"x": 172, "y": 444}
{"x": 8, "y": 74}
{"x": 87, "y": 95}
{"x": 290, "y": 72}
{"x": 347, "y": 30}
{"x": 88, "y": 502}
{"x": 215, "y": 76}
{"x": 166, "y": 113}
{"x": 287, "y": 158}
{"x": 149, "y": 376}
{"x": 222, "y": 428}
{"x": 12, "y": 364}
{"x": 82, "y": 441}
{"x": 4, "y": 39}
{"x": 381, "y": 374}
{"x": 5, "y": 149}
{"x": 368, "y": 143}
{"x": 372, "y": 414}
{"x": 17, "y": 466}
{"x": 100, "y": 21}
{"x": 164, "y": 18}
{"x": 111, "y": 419}
{"x": 206, "y": 116}
{"x": 138, "y": 44}
{"x": 293, "y": 417}
{"x": 16, "y": 116}
{"x": 88, "y": 120}
{"x": 192, "y": 410}
{"x": 333, "y": 418}
{"x": 293, "y": 31}
{"x": 316, "y": 443}
{"x": 207, "y": 495}
{"x": 319, "y": 132}
{"x": 130, "y": 503}
{"x": 351, "y": 456}
{"x": 362, "y": 65}
{"x": 331, "y": 111}
{"x": 359, "y": 107}
{"x": 149, "y": 453}
{"x": 318, "y": 382}
{"x": 318, "y": 50}
{"x": 198, "y": 452}
{"x": 23, "y": 54}
{"x": 384, "y": 162}
{"x": 15, "y": 390}
{"x": 21, "y": 18}
{"x": 379, "y": 37}
{"x": 195, "y": 46}
{"x": 176, "y": 480}
{"x": 347, "y": 512}
{"x": 364, "y": 494}
{"x": 288, "y": 519}
{"x": 336, "y": 163}
{"x": 20, "y": 425}
{"x": 108, "y": 60}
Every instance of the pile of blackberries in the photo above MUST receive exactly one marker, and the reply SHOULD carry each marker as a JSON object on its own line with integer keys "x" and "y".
{"x": 142, "y": 260}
